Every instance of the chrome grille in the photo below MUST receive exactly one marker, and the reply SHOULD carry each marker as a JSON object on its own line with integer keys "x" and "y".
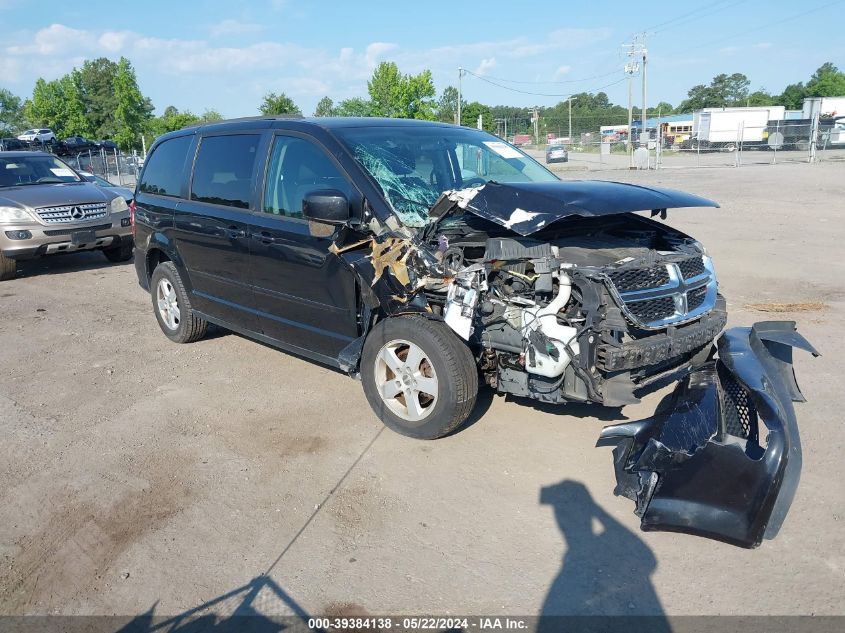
{"x": 692, "y": 267}
{"x": 639, "y": 278}
{"x": 670, "y": 293}
{"x": 73, "y": 213}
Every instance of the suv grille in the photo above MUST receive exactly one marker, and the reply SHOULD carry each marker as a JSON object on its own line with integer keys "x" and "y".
{"x": 73, "y": 213}
{"x": 653, "y": 309}
{"x": 639, "y": 278}
{"x": 692, "y": 267}
{"x": 669, "y": 293}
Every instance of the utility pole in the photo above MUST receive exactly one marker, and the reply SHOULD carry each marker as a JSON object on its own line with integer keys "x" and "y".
{"x": 570, "y": 120}
{"x": 631, "y": 68}
{"x": 645, "y": 100}
{"x": 460, "y": 94}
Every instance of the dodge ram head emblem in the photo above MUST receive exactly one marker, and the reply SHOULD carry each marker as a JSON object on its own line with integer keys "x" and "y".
{"x": 77, "y": 213}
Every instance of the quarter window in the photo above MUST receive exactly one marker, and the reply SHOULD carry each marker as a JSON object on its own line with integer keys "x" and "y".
{"x": 224, "y": 169}
{"x": 298, "y": 167}
{"x": 163, "y": 172}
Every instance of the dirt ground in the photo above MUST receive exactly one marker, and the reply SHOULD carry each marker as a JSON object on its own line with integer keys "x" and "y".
{"x": 140, "y": 476}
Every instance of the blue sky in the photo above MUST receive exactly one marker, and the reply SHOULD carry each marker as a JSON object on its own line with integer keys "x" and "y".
{"x": 226, "y": 55}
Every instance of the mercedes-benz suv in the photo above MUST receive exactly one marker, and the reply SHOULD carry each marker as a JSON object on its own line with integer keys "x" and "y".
{"x": 47, "y": 208}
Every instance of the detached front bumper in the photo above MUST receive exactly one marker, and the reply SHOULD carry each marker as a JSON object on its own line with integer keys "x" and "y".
{"x": 721, "y": 456}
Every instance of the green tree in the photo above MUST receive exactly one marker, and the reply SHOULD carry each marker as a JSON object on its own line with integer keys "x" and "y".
{"x": 96, "y": 80}
{"x": 760, "y": 97}
{"x": 447, "y": 105}
{"x": 723, "y": 91}
{"x": 470, "y": 114}
{"x": 325, "y": 107}
{"x": 73, "y": 119}
{"x": 278, "y": 104}
{"x": 393, "y": 94}
{"x": 792, "y": 97}
{"x": 131, "y": 109}
{"x": 12, "y": 119}
{"x": 356, "y": 106}
{"x": 827, "y": 81}
{"x": 663, "y": 108}
{"x": 211, "y": 115}
{"x": 385, "y": 89}
{"x": 417, "y": 97}
{"x": 44, "y": 109}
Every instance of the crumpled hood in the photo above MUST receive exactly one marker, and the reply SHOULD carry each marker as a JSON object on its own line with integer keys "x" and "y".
{"x": 50, "y": 195}
{"x": 527, "y": 207}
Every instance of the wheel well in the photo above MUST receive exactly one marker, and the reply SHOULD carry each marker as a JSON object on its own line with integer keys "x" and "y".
{"x": 154, "y": 258}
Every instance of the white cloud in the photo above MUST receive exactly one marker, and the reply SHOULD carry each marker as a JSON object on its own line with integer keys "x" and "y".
{"x": 376, "y": 51}
{"x": 53, "y": 40}
{"x": 485, "y": 66}
{"x": 234, "y": 27}
{"x": 114, "y": 41}
{"x": 763, "y": 45}
{"x": 562, "y": 70}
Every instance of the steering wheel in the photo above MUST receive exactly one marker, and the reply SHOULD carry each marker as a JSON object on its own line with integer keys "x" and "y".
{"x": 475, "y": 180}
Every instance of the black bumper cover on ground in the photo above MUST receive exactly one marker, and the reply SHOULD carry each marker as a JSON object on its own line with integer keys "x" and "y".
{"x": 701, "y": 465}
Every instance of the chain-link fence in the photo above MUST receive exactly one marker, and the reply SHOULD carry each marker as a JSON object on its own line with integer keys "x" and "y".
{"x": 118, "y": 167}
{"x": 103, "y": 159}
{"x": 720, "y": 138}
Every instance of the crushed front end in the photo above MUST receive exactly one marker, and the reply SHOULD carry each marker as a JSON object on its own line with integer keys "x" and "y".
{"x": 590, "y": 309}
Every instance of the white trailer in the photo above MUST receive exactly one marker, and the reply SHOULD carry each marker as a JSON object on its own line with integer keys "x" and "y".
{"x": 823, "y": 106}
{"x": 726, "y": 128}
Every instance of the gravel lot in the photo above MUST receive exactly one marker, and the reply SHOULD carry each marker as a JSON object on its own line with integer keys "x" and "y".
{"x": 142, "y": 476}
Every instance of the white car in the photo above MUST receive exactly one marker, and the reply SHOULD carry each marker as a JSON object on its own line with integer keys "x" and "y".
{"x": 41, "y": 135}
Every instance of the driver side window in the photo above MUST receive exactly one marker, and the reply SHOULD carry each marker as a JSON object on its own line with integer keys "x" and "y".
{"x": 298, "y": 167}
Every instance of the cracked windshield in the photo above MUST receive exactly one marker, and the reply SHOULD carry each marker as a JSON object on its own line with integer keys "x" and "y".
{"x": 413, "y": 167}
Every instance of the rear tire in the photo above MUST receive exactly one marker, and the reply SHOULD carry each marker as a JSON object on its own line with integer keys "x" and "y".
{"x": 419, "y": 378}
{"x": 172, "y": 306}
{"x": 122, "y": 253}
{"x": 8, "y": 268}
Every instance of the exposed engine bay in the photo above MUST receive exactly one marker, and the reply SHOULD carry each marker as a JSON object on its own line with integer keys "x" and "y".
{"x": 587, "y": 310}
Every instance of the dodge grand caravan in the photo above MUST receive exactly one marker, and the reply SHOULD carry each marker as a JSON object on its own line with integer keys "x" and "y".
{"x": 424, "y": 258}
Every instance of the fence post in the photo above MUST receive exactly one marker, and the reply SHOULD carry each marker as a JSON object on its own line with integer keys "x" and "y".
{"x": 814, "y": 133}
{"x": 775, "y": 146}
{"x": 117, "y": 167}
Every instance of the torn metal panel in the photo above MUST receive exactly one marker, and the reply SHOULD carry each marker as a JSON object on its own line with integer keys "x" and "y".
{"x": 697, "y": 465}
{"x": 528, "y": 207}
{"x": 394, "y": 270}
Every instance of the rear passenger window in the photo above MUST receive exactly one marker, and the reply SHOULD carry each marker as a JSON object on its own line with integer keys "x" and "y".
{"x": 163, "y": 172}
{"x": 224, "y": 169}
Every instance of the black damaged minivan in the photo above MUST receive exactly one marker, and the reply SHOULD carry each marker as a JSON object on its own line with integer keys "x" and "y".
{"x": 425, "y": 258}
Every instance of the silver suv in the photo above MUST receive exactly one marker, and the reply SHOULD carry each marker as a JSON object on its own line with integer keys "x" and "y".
{"x": 47, "y": 208}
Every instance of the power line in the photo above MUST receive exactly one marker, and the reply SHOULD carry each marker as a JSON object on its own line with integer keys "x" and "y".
{"x": 688, "y": 19}
{"x": 540, "y": 94}
{"x": 764, "y": 26}
{"x": 562, "y": 81}
{"x": 701, "y": 11}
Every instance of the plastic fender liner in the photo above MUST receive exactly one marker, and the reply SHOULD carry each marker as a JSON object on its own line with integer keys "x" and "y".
{"x": 697, "y": 465}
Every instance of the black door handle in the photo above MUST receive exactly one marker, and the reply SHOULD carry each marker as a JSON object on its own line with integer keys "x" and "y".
{"x": 266, "y": 237}
{"x": 234, "y": 232}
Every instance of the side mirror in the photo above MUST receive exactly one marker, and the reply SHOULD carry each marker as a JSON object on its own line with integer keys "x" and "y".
{"x": 326, "y": 205}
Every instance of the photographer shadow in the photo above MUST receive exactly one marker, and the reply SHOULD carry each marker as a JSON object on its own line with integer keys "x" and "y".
{"x": 606, "y": 570}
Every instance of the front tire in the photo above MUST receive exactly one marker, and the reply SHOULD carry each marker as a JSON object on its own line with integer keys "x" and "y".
{"x": 8, "y": 268}
{"x": 172, "y": 306}
{"x": 419, "y": 378}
